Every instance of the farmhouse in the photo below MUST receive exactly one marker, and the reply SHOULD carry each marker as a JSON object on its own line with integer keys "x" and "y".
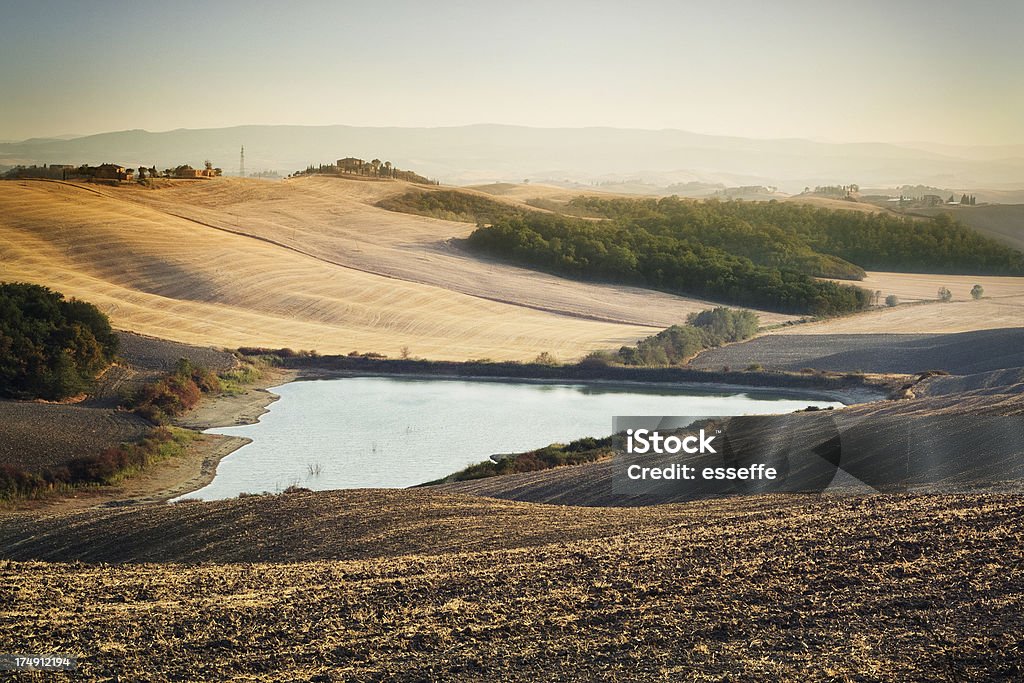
{"x": 110, "y": 172}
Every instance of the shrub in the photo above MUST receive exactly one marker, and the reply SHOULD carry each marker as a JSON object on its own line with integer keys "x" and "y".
{"x": 50, "y": 347}
{"x": 945, "y": 294}
{"x": 891, "y": 300}
{"x": 977, "y": 291}
{"x": 597, "y": 359}
{"x": 677, "y": 344}
{"x": 176, "y": 393}
{"x": 545, "y": 358}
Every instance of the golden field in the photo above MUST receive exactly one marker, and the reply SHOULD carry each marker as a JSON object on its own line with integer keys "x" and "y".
{"x": 306, "y": 264}
{"x": 313, "y": 263}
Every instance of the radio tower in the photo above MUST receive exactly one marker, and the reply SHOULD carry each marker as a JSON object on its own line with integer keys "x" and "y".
{"x": 241, "y": 163}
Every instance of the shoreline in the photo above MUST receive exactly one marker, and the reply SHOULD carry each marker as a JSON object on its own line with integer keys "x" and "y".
{"x": 195, "y": 469}
{"x": 245, "y": 408}
{"x": 234, "y": 410}
{"x": 845, "y": 395}
{"x": 189, "y": 472}
{"x": 248, "y": 407}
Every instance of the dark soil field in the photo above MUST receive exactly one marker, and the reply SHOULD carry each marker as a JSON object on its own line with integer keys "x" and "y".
{"x": 422, "y": 586}
{"x": 36, "y": 435}
{"x": 949, "y": 416}
{"x": 960, "y": 354}
{"x": 161, "y": 355}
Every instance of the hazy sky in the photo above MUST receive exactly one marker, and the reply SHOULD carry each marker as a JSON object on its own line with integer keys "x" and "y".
{"x": 945, "y": 72}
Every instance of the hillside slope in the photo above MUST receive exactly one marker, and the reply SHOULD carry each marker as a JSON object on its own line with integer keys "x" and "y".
{"x": 306, "y": 264}
{"x": 335, "y": 219}
{"x": 429, "y": 587}
{"x": 171, "y": 277}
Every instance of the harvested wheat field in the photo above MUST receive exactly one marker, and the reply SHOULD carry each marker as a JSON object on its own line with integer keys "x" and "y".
{"x": 336, "y": 220}
{"x": 886, "y": 588}
{"x": 308, "y": 264}
{"x": 832, "y": 203}
{"x": 961, "y": 353}
{"x": 174, "y": 278}
{"x": 923, "y": 318}
{"x": 921, "y": 312}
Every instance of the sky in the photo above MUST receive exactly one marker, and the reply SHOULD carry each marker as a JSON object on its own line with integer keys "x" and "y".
{"x": 949, "y": 72}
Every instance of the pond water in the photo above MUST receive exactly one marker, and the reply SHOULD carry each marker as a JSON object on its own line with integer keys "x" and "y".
{"x": 395, "y": 432}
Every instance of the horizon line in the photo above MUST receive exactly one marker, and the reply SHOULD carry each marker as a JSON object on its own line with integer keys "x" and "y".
{"x": 67, "y": 137}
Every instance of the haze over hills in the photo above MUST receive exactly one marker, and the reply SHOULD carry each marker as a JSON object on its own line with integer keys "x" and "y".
{"x": 483, "y": 153}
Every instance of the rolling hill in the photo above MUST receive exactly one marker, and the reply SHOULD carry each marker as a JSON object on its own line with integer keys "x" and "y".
{"x": 1004, "y": 222}
{"x": 305, "y": 264}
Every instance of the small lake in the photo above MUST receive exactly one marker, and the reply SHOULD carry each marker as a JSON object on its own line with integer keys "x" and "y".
{"x": 395, "y": 432}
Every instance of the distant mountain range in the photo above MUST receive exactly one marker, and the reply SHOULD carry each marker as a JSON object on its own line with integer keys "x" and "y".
{"x": 483, "y": 153}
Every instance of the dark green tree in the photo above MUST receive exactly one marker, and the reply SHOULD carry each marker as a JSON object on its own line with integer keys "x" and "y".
{"x": 50, "y": 347}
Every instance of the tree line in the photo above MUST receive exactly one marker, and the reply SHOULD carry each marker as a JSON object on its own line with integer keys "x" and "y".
{"x": 782, "y": 233}
{"x": 765, "y": 254}
{"x": 450, "y": 205}
{"x": 625, "y": 252}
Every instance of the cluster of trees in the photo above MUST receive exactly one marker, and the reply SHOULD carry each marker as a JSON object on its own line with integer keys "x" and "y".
{"x": 50, "y": 348}
{"x": 679, "y": 343}
{"x": 450, "y": 205}
{"x": 626, "y": 251}
{"x": 764, "y": 254}
{"x": 740, "y": 229}
{"x": 965, "y": 199}
{"x": 875, "y": 241}
{"x": 370, "y": 169}
{"x": 839, "y": 191}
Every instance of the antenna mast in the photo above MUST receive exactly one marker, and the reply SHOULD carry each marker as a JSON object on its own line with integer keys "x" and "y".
{"x": 241, "y": 163}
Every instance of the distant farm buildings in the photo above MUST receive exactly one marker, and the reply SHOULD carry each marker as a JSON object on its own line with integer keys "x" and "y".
{"x": 106, "y": 172}
{"x": 186, "y": 171}
{"x": 109, "y": 173}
